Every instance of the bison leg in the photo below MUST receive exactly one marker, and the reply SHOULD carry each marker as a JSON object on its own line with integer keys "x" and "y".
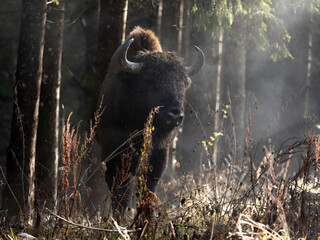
{"x": 158, "y": 163}
{"x": 118, "y": 178}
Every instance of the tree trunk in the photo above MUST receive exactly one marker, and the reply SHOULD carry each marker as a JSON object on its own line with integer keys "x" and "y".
{"x": 217, "y": 122}
{"x": 111, "y": 31}
{"x": 297, "y": 74}
{"x": 159, "y": 19}
{"x": 144, "y": 14}
{"x": 169, "y": 30}
{"x": 48, "y": 128}
{"x": 180, "y": 27}
{"x": 199, "y": 97}
{"x": 89, "y": 23}
{"x": 111, "y": 25}
{"x": 19, "y": 193}
{"x": 308, "y": 77}
{"x": 314, "y": 100}
{"x": 293, "y": 84}
{"x": 186, "y": 33}
{"x": 234, "y": 80}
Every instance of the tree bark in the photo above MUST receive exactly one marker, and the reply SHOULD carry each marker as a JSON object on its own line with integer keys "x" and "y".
{"x": 234, "y": 79}
{"x": 159, "y": 19}
{"x": 181, "y": 25}
{"x": 89, "y": 23}
{"x": 186, "y": 33}
{"x": 169, "y": 30}
{"x": 19, "y": 193}
{"x": 48, "y": 128}
{"x": 111, "y": 25}
{"x": 199, "y": 97}
{"x": 144, "y": 14}
{"x": 217, "y": 122}
{"x": 297, "y": 72}
{"x": 110, "y": 35}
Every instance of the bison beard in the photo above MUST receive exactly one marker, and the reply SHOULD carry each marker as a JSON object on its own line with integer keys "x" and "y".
{"x": 141, "y": 77}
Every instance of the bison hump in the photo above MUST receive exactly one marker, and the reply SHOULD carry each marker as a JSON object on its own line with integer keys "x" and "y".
{"x": 144, "y": 40}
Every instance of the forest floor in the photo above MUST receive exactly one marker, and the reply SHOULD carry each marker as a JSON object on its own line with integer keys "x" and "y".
{"x": 235, "y": 202}
{"x": 243, "y": 198}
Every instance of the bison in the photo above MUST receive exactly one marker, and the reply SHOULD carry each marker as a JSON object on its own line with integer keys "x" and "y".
{"x": 141, "y": 77}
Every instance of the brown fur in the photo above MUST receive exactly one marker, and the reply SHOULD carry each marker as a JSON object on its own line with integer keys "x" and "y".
{"x": 129, "y": 98}
{"x": 144, "y": 40}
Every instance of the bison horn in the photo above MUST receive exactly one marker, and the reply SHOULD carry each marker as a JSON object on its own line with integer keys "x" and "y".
{"x": 126, "y": 65}
{"x": 192, "y": 70}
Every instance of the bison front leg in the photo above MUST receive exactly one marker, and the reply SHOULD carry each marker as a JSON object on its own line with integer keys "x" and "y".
{"x": 119, "y": 162}
{"x": 158, "y": 162}
{"x": 118, "y": 184}
{"x": 118, "y": 177}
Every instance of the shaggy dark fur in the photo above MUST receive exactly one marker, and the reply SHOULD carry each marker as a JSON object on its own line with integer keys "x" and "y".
{"x": 129, "y": 98}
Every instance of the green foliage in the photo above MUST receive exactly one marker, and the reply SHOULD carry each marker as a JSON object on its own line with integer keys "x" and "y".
{"x": 312, "y": 6}
{"x": 12, "y": 235}
{"x": 56, "y": 2}
{"x": 258, "y": 18}
{"x": 215, "y": 15}
{"x": 215, "y": 135}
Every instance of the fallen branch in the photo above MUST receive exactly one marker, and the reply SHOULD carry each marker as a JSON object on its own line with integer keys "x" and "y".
{"x": 87, "y": 227}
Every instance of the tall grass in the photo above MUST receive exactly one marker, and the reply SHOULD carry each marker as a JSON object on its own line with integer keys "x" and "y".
{"x": 243, "y": 198}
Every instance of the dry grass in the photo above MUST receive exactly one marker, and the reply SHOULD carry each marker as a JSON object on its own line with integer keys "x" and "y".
{"x": 242, "y": 199}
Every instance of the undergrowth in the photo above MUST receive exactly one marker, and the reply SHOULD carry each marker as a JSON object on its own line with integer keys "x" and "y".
{"x": 243, "y": 198}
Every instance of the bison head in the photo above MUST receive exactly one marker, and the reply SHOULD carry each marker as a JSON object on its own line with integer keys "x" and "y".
{"x": 156, "y": 78}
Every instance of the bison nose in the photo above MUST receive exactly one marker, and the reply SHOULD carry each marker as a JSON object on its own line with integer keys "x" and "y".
{"x": 174, "y": 117}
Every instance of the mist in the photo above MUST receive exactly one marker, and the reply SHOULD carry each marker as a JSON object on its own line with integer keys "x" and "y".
{"x": 243, "y": 101}
{"x": 279, "y": 96}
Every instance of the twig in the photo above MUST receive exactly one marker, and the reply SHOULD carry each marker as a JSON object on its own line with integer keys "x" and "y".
{"x": 74, "y": 79}
{"x": 265, "y": 231}
{"x": 88, "y": 227}
{"x": 14, "y": 196}
{"x": 113, "y": 154}
{"x": 144, "y": 229}
{"x": 174, "y": 236}
{"x": 212, "y": 228}
{"x": 123, "y": 232}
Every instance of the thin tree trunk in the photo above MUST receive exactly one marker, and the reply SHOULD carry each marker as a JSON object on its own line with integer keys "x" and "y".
{"x": 234, "y": 78}
{"x": 180, "y": 29}
{"x": 169, "y": 30}
{"x": 48, "y": 128}
{"x": 111, "y": 25}
{"x": 196, "y": 118}
{"x": 186, "y": 33}
{"x": 144, "y": 14}
{"x": 308, "y": 77}
{"x": 295, "y": 88}
{"x": 217, "y": 126}
{"x": 124, "y": 25}
{"x": 159, "y": 20}
{"x": 314, "y": 89}
{"x": 181, "y": 47}
{"x": 90, "y": 27}
{"x": 19, "y": 193}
